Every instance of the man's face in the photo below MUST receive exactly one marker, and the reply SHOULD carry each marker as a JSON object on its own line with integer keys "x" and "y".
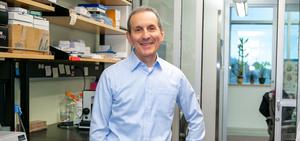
{"x": 145, "y": 35}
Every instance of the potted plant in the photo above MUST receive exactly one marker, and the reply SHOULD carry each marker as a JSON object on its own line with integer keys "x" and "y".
{"x": 261, "y": 68}
{"x": 251, "y": 77}
{"x": 241, "y": 57}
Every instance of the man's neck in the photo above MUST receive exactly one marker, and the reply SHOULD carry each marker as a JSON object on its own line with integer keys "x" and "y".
{"x": 149, "y": 60}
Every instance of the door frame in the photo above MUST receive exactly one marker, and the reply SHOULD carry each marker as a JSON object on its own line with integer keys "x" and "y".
{"x": 280, "y": 102}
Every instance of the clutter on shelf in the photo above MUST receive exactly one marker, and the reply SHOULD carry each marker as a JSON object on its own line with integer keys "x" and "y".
{"x": 23, "y": 31}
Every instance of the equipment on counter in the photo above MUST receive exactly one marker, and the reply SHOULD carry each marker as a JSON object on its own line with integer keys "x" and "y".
{"x": 87, "y": 105}
{"x": 12, "y": 136}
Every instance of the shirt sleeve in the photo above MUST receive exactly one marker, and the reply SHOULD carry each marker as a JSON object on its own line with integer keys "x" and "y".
{"x": 101, "y": 110}
{"x": 190, "y": 107}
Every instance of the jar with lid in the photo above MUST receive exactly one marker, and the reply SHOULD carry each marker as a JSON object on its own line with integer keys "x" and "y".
{"x": 67, "y": 110}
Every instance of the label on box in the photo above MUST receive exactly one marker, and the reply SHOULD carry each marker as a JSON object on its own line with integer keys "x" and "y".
{"x": 4, "y": 36}
{"x": 2, "y": 7}
{"x": 53, "y": 1}
{"x": 73, "y": 16}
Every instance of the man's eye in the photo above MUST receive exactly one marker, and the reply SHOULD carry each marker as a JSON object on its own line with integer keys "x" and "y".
{"x": 138, "y": 30}
{"x": 152, "y": 28}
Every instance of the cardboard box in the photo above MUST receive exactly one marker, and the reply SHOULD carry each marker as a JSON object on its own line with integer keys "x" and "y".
{"x": 20, "y": 22}
{"x": 3, "y": 38}
{"x": 24, "y": 39}
{"x": 115, "y": 16}
{"x": 37, "y": 125}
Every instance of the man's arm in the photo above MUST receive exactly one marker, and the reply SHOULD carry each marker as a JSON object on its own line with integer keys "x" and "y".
{"x": 190, "y": 107}
{"x": 101, "y": 110}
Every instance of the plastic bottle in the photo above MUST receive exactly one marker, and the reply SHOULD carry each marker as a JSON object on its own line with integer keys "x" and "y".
{"x": 19, "y": 127}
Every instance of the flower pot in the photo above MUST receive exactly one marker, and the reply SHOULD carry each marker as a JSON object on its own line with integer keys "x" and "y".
{"x": 240, "y": 79}
{"x": 262, "y": 80}
{"x": 252, "y": 78}
{"x": 252, "y": 81}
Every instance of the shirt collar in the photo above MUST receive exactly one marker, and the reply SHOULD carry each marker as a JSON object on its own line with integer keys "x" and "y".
{"x": 135, "y": 61}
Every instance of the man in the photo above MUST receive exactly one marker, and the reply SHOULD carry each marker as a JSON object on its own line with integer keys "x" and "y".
{"x": 135, "y": 98}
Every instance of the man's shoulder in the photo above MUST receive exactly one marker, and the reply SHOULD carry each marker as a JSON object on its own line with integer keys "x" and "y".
{"x": 117, "y": 67}
{"x": 170, "y": 67}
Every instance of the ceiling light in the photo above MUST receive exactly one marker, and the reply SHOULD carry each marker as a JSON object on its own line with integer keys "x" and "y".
{"x": 241, "y": 7}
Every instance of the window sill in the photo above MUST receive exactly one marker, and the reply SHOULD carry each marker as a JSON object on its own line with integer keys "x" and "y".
{"x": 251, "y": 85}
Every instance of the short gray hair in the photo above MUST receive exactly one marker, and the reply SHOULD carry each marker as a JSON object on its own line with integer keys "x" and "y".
{"x": 143, "y": 9}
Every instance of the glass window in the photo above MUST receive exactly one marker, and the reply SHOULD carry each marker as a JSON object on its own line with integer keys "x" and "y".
{"x": 292, "y": 34}
{"x": 254, "y": 13}
{"x": 251, "y": 42}
{"x": 291, "y": 41}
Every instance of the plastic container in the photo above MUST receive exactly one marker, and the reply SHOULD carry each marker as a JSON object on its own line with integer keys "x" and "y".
{"x": 68, "y": 108}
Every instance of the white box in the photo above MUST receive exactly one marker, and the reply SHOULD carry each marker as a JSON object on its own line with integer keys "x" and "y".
{"x": 12, "y": 136}
{"x": 124, "y": 11}
{"x": 20, "y": 17}
{"x": 100, "y": 48}
{"x": 17, "y": 10}
{"x": 95, "y": 9}
{"x": 41, "y": 27}
{"x": 41, "y": 23}
{"x": 53, "y": 1}
{"x": 118, "y": 44}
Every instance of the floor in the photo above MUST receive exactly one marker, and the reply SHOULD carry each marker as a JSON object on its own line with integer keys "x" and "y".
{"x": 247, "y": 138}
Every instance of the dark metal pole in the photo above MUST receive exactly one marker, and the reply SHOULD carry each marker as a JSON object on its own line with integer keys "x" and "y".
{"x": 24, "y": 98}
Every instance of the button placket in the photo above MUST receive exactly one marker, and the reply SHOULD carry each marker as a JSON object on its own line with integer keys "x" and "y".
{"x": 148, "y": 101}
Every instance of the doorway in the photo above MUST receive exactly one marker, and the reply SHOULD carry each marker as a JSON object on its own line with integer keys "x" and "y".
{"x": 269, "y": 37}
{"x": 252, "y": 43}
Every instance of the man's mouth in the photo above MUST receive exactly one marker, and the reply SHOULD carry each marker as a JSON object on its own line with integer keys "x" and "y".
{"x": 146, "y": 43}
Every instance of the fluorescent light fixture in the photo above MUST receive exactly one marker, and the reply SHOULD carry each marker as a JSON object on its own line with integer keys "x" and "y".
{"x": 241, "y": 7}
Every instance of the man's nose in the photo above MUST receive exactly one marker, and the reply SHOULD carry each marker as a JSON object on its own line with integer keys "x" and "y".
{"x": 146, "y": 34}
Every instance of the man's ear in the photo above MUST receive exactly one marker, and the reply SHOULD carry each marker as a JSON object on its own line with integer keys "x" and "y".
{"x": 128, "y": 37}
{"x": 163, "y": 35}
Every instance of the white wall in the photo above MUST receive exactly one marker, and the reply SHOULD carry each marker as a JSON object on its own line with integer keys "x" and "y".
{"x": 260, "y": 1}
{"x": 46, "y": 94}
{"x": 209, "y": 66}
{"x": 243, "y": 114}
{"x": 188, "y": 40}
{"x": 62, "y": 33}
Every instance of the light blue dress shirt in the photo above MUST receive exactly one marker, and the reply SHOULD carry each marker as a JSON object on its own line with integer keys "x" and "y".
{"x": 133, "y": 103}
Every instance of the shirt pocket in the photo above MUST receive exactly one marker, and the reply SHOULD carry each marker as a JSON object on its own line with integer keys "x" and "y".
{"x": 165, "y": 101}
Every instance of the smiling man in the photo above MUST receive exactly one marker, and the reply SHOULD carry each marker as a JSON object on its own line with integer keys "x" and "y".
{"x": 135, "y": 98}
